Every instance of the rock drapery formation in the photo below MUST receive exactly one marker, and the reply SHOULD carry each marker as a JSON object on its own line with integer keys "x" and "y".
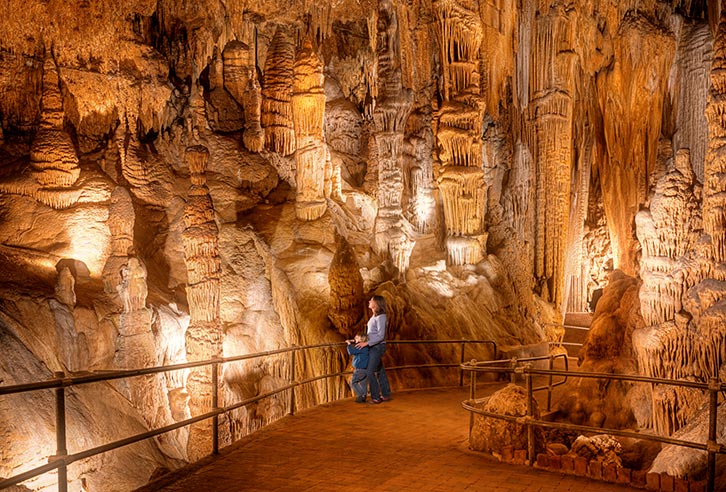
{"x": 482, "y": 164}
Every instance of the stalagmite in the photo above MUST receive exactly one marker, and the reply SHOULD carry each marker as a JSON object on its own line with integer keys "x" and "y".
{"x": 121, "y": 225}
{"x": 277, "y": 94}
{"x": 308, "y": 109}
{"x": 203, "y": 337}
{"x": 460, "y": 175}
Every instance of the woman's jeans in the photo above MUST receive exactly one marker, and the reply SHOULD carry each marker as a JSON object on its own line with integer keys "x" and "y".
{"x": 376, "y": 373}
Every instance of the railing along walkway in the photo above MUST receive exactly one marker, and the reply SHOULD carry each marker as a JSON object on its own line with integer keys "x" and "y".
{"x": 60, "y": 383}
{"x": 712, "y": 388}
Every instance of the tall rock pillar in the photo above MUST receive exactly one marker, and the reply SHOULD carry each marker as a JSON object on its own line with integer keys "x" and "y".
{"x": 460, "y": 174}
{"x": 204, "y": 335}
{"x": 308, "y": 110}
{"x": 392, "y": 231}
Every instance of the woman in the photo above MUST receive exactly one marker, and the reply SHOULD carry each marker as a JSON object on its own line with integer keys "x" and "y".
{"x": 375, "y": 372}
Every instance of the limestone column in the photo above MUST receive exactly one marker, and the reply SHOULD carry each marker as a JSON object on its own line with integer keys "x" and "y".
{"x": 550, "y": 112}
{"x": 391, "y": 112}
{"x": 308, "y": 110}
{"x": 460, "y": 175}
{"x": 204, "y": 334}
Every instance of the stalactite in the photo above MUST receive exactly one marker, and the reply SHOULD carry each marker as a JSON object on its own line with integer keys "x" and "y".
{"x": 308, "y": 109}
{"x": 203, "y": 336}
{"x": 277, "y": 117}
{"x": 460, "y": 175}
{"x": 52, "y": 154}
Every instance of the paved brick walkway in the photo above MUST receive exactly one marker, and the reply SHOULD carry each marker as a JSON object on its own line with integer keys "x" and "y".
{"x": 415, "y": 443}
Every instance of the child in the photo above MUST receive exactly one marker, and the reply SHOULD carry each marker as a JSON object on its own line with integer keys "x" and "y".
{"x": 358, "y": 382}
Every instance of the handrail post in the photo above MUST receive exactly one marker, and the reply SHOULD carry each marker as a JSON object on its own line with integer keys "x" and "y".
{"x": 713, "y": 387}
{"x": 549, "y": 385}
{"x": 530, "y": 414}
{"x": 513, "y": 374}
{"x": 461, "y": 369}
{"x": 292, "y": 381}
{"x": 472, "y": 395}
{"x": 215, "y": 406}
{"x": 60, "y": 434}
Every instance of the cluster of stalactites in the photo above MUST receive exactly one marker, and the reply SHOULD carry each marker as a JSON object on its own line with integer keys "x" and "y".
{"x": 714, "y": 193}
{"x": 277, "y": 119}
{"x": 240, "y": 80}
{"x": 461, "y": 176}
{"x": 308, "y": 111}
{"x": 667, "y": 232}
{"x": 52, "y": 154}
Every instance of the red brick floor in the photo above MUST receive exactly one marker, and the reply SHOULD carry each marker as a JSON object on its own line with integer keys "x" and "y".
{"x": 415, "y": 443}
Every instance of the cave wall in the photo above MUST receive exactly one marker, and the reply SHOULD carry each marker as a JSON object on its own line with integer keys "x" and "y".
{"x": 180, "y": 181}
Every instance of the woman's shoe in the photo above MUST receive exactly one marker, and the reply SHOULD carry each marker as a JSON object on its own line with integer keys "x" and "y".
{"x": 375, "y": 402}
{"x": 385, "y": 398}
{"x": 360, "y": 400}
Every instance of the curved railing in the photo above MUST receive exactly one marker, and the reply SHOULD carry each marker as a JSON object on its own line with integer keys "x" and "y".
{"x": 62, "y": 458}
{"x": 524, "y": 368}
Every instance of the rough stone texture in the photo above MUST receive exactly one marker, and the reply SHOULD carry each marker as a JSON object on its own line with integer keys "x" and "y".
{"x": 492, "y": 435}
{"x": 483, "y": 165}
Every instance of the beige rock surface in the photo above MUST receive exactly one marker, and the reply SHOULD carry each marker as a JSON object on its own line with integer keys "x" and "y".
{"x": 481, "y": 164}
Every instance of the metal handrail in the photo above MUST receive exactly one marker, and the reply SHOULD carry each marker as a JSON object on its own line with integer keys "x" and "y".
{"x": 712, "y": 447}
{"x": 60, "y": 382}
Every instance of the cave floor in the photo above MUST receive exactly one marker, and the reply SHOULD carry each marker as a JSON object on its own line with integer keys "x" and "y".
{"x": 417, "y": 442}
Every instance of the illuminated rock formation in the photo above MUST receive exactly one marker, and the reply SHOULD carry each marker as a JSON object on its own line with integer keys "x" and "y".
{"x": 52, "y": 155}
{"x": 551, "y": 94}
{"x": 642, "y": 78}
{"x": 240, "y": 80}
{"x": 121, "y": 225}
{"x": 393, "y": 106}
{"x": 308, "y": 108}
{"x": 667, "y": 232}
{"x": 714, "y": 198}
{"x": 277, "y": 94}
{"x": 203, "y": 336}
{"x": 460, "y": 176}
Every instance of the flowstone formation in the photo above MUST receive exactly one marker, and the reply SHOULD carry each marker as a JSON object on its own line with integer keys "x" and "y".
{"x": 181, "y": 181}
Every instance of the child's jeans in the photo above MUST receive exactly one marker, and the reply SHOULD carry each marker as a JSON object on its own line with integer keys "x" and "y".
{"x": 359, "y": 383}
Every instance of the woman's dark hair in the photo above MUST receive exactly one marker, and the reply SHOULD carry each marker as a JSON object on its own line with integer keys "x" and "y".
{"x": 380, "y": 302}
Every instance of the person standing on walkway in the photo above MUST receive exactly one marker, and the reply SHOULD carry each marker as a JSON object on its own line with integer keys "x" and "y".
{"x": 376, "y": 373}
{"x": 359, "y": 382}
